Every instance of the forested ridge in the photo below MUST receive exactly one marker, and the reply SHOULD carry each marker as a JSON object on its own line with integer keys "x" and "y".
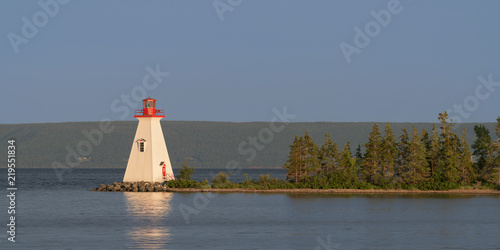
{"x": 203, "y": 144}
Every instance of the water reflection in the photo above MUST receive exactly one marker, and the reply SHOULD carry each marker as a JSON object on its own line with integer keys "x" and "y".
{"x": 149, "y": 212}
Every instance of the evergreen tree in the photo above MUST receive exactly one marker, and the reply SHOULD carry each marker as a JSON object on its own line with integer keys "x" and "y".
{"x": 389, "y": 154}
{"x": 491, "y": 172}
{"x": 295, "y": 161}
{"x": 496, "y": 143}
{"x": 415, "y": 169}
{"x": 311, "y": 157}
{"x": 359, "y": 159}
{"x": 358, "y": 154}
{"x": 373, "y": 157}
{"x": 426, "y": 139}
{"x": 495, "y": 148}
{"x": 496, "y": 154}
{"x": 347, "y": 164}
{"x": 482, "y": 146}
{"x": 328, "y": 155}
{"x": 403, "y": 153}
{"x": 466, "y": 166}
{"x": 449, "y": 153}
{"x": 433, "y": 148}
{"x": 497, "y": 130}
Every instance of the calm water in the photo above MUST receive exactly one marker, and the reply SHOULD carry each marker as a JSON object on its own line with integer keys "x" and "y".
{"x": 52, "y": 215}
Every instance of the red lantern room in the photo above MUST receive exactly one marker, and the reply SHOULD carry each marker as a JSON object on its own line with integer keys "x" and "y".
{"x": 149, "y": 109}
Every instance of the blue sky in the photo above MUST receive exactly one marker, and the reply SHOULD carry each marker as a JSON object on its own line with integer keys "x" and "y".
{"x": 240, "y": 61}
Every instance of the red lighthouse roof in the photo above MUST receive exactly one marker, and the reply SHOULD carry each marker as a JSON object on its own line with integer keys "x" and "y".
{"x": 149, "y": 109}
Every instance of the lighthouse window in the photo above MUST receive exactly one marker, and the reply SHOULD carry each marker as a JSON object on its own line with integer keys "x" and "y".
{"x": 141, "y": 146}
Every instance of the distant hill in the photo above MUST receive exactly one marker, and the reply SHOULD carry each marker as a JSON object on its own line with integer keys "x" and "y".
{"x": 204, "y": 144}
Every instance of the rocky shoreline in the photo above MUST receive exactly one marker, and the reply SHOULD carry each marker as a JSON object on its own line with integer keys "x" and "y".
{"x": 161, "y": 187}
{"x": 132, "y": 187}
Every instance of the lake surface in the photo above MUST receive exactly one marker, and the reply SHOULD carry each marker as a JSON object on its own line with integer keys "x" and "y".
{"x": 51, "y": 215}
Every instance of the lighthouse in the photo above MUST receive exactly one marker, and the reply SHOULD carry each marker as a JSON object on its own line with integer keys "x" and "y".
{"x": 148, "y": 160}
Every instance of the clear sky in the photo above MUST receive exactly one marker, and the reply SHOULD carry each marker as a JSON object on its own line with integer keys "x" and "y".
{"x": 237, "y": 60}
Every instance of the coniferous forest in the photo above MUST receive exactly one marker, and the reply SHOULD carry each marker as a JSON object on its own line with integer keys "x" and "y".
{"x": 439, "y": 159}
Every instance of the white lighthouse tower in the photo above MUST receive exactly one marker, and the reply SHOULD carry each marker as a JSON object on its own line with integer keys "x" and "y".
{"x": 149, "y": 159}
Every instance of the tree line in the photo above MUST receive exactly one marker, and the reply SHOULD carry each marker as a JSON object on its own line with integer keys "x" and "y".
{"x": 417, "y": 159}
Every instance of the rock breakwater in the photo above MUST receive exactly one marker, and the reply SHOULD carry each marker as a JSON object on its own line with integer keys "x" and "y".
{"x": 132, "y": 187}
